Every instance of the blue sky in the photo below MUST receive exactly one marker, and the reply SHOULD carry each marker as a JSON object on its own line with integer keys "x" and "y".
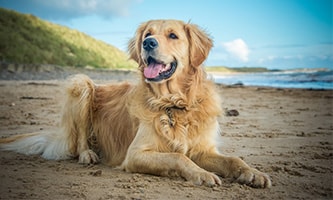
{"x": 278, "y": 34}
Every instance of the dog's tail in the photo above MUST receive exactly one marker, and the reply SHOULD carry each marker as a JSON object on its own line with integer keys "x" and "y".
{"x": 49, "y": 145}
{"x": 71, "y": 140}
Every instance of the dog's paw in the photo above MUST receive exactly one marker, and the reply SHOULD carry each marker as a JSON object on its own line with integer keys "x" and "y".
{"x": 87, "y": 157}
{"x": 254, "y": 178}
{"x": 205, "y": 178}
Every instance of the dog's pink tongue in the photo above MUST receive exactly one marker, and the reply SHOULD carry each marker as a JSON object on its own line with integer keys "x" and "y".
{"x": 153, "y": 70}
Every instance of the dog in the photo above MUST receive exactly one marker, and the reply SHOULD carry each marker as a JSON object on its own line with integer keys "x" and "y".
{"x": 165, "y": 125}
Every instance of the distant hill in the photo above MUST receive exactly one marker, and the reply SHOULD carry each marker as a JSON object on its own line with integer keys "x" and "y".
{"x": 27, "y": 39}
{"x": 237, "y": 69}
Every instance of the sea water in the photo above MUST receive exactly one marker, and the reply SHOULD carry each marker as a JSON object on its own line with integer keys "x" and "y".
{"x": 308, "y": 79}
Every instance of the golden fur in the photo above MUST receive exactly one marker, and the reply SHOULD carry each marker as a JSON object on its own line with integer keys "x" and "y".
{"x": 165, "y": 127}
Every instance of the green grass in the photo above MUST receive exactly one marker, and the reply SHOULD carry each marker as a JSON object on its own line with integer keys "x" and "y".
{"x": 30, "y": 40}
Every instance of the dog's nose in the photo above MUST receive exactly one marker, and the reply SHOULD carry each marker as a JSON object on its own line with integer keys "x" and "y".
{"x": 149, "y": 44}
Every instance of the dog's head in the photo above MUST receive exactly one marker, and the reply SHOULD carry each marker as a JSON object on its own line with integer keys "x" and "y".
{"x": 165, "y": 49}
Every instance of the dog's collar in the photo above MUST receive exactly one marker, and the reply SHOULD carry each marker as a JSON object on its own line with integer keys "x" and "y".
{"x": 176, "y": 108}
{"x": 169, "y": 113}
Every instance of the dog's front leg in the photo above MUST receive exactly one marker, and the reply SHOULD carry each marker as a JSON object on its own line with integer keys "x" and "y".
{"x": 233, "y": 167}
{"x": 148, "y": 154}
{"x": 167, "y": 164}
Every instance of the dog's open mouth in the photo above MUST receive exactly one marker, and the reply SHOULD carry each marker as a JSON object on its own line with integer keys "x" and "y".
{"x": 157, "y": 71}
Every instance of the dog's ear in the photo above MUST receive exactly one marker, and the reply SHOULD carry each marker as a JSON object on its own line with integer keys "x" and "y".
{"x": 132, "y": 49}
{"x": 200, "y": 44}
{"x": 134, "y": 45}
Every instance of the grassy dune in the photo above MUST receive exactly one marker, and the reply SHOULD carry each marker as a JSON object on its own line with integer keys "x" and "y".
{"x": 27, "y": 39}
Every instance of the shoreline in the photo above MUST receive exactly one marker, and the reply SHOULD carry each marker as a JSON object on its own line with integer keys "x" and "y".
{"x": 54, "y": 72}
{"x": 313, "y": 80}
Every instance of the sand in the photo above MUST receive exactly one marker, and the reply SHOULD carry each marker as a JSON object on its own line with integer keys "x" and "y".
{"x": 286, "y": 133}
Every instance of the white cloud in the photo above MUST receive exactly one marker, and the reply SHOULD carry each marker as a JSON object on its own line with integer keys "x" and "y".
{"x": 77, "y": 8}
{"x": 238, "y": 48}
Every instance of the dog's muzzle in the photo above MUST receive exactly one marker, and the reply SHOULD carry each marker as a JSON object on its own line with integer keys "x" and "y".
{"x": 156, "y": 70}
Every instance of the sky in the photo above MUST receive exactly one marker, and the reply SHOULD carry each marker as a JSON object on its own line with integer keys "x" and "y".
{"x": 277, "y": 34}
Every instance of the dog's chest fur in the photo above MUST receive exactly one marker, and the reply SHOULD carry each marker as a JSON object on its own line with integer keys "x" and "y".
{"x": 177, "y": 127}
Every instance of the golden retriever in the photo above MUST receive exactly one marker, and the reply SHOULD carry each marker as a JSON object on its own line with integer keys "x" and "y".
{"x": 165, "y": 125}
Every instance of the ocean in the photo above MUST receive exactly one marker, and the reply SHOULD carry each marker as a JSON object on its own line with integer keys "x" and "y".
{"x": 306, "y": 79}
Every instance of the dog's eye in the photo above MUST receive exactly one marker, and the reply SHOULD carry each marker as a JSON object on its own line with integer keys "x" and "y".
{"x": 147, "y": 35}
{"x": 173, "y": 36}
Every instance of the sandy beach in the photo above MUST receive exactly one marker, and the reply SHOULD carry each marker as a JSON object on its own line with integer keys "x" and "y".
{"x": 287, "y": 133}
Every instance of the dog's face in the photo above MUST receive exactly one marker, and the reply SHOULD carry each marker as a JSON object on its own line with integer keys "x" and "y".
{"x": 165, "y": 49}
